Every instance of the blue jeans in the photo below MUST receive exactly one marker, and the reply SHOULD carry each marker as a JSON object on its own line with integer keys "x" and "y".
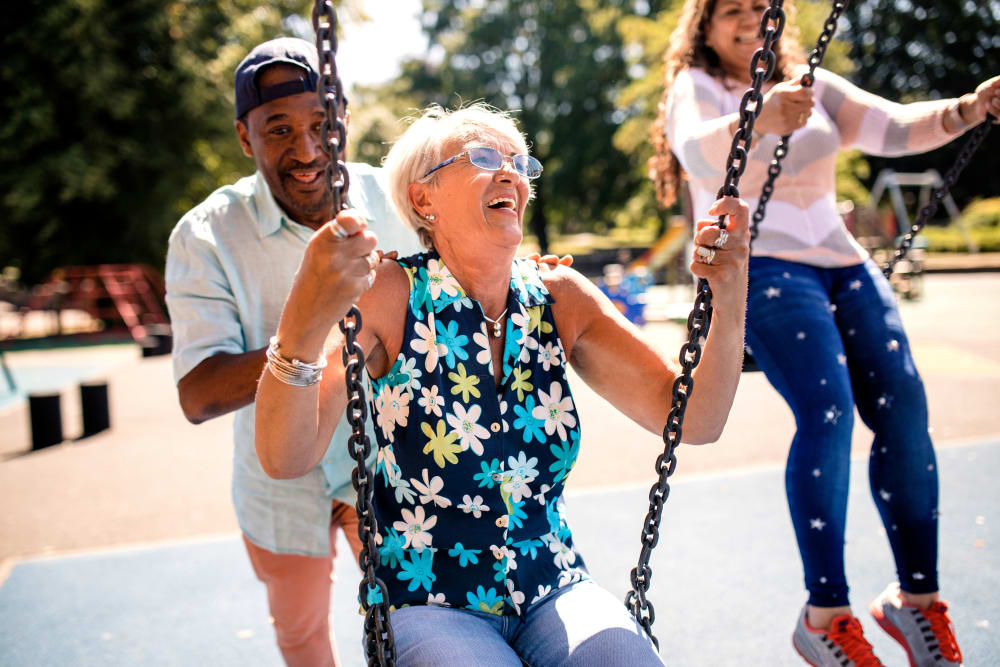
{"x": 580, "y": 625}
{"x": 829, "y": 340}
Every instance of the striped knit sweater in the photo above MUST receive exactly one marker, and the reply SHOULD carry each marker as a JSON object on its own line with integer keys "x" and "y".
{"x": 802, "y": 223}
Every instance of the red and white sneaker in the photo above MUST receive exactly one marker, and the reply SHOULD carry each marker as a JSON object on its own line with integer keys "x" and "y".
{"x": 927, "y": 634}
{"x": 844, "y": 645}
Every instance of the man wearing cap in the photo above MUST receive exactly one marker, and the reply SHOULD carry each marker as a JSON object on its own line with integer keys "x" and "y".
{"x": 230, "y": 265}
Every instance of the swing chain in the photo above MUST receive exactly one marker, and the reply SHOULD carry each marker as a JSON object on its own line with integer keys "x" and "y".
{"x": 961, "y": 162}
{"x": 379, "y": 644}
{"x": 699, "y": 321}
{"x": 808, "y": 79}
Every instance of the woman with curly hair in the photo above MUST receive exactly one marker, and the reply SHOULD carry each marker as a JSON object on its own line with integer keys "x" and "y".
{"x": 822, "y": 322}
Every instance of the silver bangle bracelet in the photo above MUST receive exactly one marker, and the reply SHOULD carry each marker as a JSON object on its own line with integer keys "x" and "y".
{"x": 293, "y": 372}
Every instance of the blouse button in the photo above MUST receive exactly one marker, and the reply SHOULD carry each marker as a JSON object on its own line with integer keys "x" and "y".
{"x": 495, "y": 427}
{"x": 502, "y": 522}
{"x": 497, "y": 476}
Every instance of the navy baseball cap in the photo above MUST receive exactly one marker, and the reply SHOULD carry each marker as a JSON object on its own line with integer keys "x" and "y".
{"x": 284, "y": 50}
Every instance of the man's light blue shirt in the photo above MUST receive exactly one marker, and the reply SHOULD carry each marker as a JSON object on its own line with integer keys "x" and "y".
{"x": 230, "y": 265}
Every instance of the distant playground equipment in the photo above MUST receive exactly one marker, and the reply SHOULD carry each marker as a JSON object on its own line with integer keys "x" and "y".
{"x": 119, "y": 300}
{"x": 664, "y": 253}
{"x": 626, "y": 290}
{"x": 626, "y": 282}
{"x": 880, "y": 232}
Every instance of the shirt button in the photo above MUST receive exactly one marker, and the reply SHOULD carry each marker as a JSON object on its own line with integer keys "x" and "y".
{"x": 502, "y": 522}
{"x": 495, "y": 427}
{"x": 497, "y": 476}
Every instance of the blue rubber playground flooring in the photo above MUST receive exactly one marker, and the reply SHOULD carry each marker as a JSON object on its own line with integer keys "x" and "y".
{"x": 726, "y": 580}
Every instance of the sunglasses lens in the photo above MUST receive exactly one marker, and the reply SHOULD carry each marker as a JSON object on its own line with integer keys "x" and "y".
{"x": 527, "y": 166}
{"x": 486, "y": 158}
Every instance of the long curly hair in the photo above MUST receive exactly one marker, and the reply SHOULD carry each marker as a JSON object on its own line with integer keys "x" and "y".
{"x": 688, "y": 49}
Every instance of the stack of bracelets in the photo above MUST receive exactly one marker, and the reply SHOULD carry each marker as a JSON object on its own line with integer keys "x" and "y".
{"x": 292, "y": 371}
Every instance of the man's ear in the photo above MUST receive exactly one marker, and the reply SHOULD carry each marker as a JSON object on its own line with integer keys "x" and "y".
{"x": 244, "y": 136}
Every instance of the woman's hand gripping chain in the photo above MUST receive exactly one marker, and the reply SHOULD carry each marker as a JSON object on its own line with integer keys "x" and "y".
{"x": 721, "y": 255}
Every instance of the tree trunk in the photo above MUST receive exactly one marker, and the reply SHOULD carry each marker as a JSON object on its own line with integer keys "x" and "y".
{"x": 539, "y": 222}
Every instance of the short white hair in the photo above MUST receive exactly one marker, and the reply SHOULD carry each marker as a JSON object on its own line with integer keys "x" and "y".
{"x": 421, "y": 148}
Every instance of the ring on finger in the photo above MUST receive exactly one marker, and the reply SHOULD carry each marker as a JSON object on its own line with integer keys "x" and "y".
{"x": 720, "y": 242}
{"x": 371, "y": 279}
{"x": 705, "y": 255}
{"x": 338, "y": 231}
{"x": 372, "y": 260}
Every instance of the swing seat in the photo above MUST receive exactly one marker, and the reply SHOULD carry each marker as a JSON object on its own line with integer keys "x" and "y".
{"x": 749, "y": 365}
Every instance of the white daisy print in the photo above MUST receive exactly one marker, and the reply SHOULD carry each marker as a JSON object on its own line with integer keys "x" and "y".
{"x": 415, "y": 528}
{"x": 466, "y": 424}
{"x": 549, "y": 356}
{"x": 563, "y": 556}
{"x": 474, "y": 506}
{"x": 430, "y": 400}
{"x": 430, "y": 489}
{"x": 518, "y": 488}
{"x": 425, "y": 342}
{"x": 439, "y": 279}
{"x": 555, "y": 410}
{"x": 516, "y": 597}
{"x": 542, "y": 592}
{"x": 483, "y": 341}
{"x": 409, "y": 367}
{"x": 568, "y": 577}
{"x": 393, "y": 407}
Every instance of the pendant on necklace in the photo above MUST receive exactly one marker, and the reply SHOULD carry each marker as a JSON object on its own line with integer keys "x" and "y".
{"x": 496, "y": 329}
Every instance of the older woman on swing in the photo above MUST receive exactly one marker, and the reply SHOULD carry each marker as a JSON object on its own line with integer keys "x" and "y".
{"x": 467, "y": 348}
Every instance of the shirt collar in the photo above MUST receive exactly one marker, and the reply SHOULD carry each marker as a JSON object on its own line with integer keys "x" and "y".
{"x": 526, "y": 285}
{"x": 269, "y": 215}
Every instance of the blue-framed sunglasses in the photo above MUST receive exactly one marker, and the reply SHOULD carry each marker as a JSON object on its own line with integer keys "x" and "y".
{"x": 491, "y": 159}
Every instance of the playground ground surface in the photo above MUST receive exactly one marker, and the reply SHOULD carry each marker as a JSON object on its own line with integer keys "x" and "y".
{"x": 122, "y": 548}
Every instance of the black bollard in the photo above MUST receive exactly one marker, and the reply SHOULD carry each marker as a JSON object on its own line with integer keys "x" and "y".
{"x": 94, "y": 405}
{"x": 46, "y": 420}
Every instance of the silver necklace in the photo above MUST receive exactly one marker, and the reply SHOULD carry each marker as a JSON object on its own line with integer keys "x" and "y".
{"x": 495, "y": 322}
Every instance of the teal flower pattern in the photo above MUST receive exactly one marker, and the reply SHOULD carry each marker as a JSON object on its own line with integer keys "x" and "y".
{"x": 491, "y": 534}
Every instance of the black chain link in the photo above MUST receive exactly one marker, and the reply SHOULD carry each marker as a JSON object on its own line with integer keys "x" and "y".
{"x": 961, "y": 162}
{"x": 379, "y": 643}
{"x": 699, "y": 321}
{"x": 808, "y": 79}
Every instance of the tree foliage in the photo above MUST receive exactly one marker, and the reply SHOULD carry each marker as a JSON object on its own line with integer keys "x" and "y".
{"x": 118, "y": 118}
{"x": 909, "y": 50}
{"x": 559, "y": 65}
{"x": 119, "y": 114}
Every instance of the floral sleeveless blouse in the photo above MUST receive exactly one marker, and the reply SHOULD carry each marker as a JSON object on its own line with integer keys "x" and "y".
{"x": 469, "y": 477}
